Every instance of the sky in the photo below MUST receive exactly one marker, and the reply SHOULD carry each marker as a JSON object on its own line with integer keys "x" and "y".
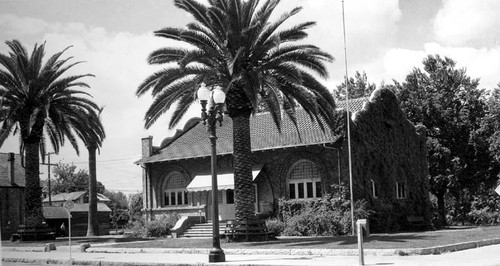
{"x": 385, "y": 38}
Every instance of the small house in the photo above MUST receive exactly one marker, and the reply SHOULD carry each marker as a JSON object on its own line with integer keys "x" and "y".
{"x": 56, "y": 215}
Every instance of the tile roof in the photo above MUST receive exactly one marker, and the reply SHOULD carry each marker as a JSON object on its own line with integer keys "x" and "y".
{"x": 66, "y": 196}
{"x": 55, "y": 212}
{"x": 193, "y": 142}
{"x": 74, "y": 196}
{"x": 4, "y": 168}
{"x": 84, "y": 207}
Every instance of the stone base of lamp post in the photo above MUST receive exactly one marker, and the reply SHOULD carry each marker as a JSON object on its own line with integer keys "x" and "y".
{"x": 216, "y": 255}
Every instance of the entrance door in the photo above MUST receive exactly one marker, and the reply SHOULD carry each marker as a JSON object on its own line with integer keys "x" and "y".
{"x": 226, "y": 209}
{"x": 226, "y": 205}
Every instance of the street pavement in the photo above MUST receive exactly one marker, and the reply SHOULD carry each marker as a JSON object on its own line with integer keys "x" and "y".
{"x": 483, "y": 256}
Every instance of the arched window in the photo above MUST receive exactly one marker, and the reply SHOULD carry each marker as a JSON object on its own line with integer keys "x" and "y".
{"x": 174, "y": 190}
{"x": 304, "y": 181}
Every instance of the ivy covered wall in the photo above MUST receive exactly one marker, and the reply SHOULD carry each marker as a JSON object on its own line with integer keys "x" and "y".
{"x": 388, "y": 149}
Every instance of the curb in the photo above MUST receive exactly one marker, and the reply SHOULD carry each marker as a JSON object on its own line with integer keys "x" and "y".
{"x": 299, "y": 252}
{"x": 310, "y": 252}
{"x": 101, "y": 263}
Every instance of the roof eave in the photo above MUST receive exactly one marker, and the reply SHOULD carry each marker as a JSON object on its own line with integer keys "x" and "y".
{"x": 254, "y": 150}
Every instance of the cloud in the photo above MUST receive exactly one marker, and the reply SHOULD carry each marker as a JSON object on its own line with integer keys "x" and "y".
{"x": 12, "y": 25}
{"x": 480, "y": 63}
{"x": 465, "y": 22}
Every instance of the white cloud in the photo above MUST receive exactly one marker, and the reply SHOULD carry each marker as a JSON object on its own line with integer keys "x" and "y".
{"x": 465, "y": 22}
{"x": 480, "y": 63}
{"x": 12, "y": 25}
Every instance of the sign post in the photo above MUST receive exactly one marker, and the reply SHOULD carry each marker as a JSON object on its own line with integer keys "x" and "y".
{"x": 69, "y": 205}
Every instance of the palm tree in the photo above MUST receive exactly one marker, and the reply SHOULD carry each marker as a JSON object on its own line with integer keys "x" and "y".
{"x": 234, "y": 44}
{"x": 91, "y": 132}
{"x": 38, "y": 103}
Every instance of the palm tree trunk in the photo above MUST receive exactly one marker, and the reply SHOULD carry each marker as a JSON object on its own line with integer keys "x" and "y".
{"x": 93, "y": 223}
{"x": 244, "y": 196}
{"x": 239, "y": 109}
{"x": 33, "y": 192}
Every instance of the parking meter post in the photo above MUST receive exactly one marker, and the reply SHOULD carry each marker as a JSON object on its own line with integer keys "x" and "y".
{"x": 69, "y": 233}
{"x": 361, "y": 224}
{"x": 69, "y": 205}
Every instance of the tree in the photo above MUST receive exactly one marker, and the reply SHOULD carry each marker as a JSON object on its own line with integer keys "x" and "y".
{"x": 37, "y": 102}
{"x": 118, "y": 200}
{"x": 358, "y": 87}
{"x": 490, "y": 125}
{"x": 235, "y": 45}
{"x": 449, "y": 104}
{"x": 70, "y": 179}
{"x": 91, "y": 131}
{"x": 119, "y": 208}
{"x": 135, "y": 206}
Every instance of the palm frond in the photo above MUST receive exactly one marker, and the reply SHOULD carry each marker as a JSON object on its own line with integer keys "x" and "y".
{"x": 169, "y": 33}
{"x": 166, "y": 55}
{"x": 197, "y": 9}
{"x": 185, "y": 101}
{"x": 166, "y": 98}
{"x": 270, "y": 29}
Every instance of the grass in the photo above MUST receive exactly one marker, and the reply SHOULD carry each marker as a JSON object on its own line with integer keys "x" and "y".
{"x": 376, "y": 241}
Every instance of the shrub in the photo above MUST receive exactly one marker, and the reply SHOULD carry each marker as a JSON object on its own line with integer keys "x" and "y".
{"x": 275, "y": 226}
{"x": 137, "y": 228}
{"x": 485, "y": 209}
{"x": 473, "y": 209}
{"x": 330, "y": 215}
{"x": 158, "y": 227}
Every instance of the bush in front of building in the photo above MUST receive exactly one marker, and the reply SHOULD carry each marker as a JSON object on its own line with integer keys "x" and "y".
{"x": 275, "y": 226}
{"x": 327, "y": 216}
{"x": 482, "y": 209}
{"x": 159, "y": 227}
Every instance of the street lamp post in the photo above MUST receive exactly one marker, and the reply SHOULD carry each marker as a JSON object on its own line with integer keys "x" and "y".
{"x": 210, "y": 118}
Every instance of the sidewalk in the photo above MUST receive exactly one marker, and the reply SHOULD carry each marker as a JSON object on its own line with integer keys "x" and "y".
{"x": 486, "y": 255}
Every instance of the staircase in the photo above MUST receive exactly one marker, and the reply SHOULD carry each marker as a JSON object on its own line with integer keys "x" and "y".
{"x": 202, "y": 230}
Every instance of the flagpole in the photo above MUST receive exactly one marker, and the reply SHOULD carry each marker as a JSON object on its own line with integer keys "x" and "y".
{"x": 348, "y": 124}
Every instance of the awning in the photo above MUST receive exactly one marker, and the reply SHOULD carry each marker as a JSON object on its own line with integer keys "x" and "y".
{"x": 224, "y": 181}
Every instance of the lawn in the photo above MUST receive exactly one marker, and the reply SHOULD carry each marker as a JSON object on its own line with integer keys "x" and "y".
{"x": 376, "y": 241}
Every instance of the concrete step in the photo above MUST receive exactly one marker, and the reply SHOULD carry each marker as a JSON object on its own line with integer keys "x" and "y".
{"x": 202, "y": 231}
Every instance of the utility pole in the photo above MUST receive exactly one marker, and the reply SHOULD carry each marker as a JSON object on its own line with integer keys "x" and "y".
{"x": 48, "y": 171}
{"x": 348, "y": 118}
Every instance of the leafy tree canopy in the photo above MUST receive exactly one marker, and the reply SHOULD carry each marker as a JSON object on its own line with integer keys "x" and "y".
{"x": 490, "y": 125}
{"x": 447, "y": 101}
{"x": 70, "y": 179}
{"x": 135, "y": 206}
{"x": 118, "y": 200}
{"x": 359, "y": 86}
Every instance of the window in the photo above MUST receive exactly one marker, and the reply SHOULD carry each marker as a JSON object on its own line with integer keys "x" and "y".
{"x": 400, "y": 190}
{"x": 304, "y": 181}
{"x": 374, "y": 188}
{"x": 175, "y": 192}
{"x": 229, "y": 196}
{"x": 318, "y": 190}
